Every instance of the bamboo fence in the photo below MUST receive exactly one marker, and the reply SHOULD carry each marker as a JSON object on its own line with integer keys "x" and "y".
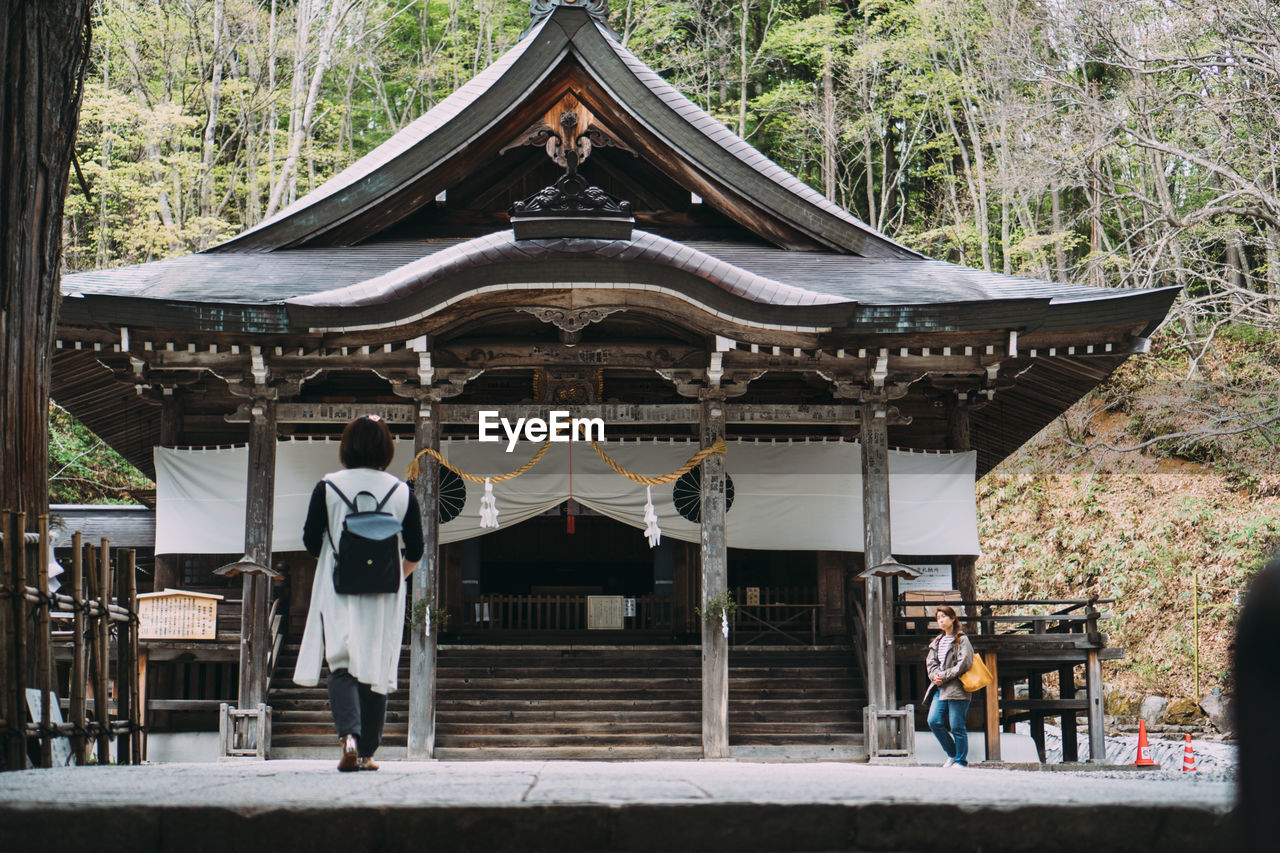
{"x": 102, "y": 607}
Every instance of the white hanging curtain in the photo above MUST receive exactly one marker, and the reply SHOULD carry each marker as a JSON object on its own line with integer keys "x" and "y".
{"x": 793, "y": 495}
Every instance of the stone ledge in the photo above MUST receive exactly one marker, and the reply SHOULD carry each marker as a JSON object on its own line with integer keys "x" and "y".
{"x": 632, "y": 827}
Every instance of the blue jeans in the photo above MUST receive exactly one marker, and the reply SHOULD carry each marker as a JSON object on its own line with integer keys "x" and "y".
{"x": 950, "y": 713}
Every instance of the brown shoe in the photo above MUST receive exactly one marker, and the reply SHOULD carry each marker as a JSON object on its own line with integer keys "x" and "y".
{"x": 349, "y": 760}
{"x": 366, "y": 763}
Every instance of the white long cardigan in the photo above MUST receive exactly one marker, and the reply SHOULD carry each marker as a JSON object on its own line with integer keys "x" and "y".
{"x": 358, "y": 633}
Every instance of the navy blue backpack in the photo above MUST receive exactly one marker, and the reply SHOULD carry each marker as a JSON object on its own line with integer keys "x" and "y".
{"x": 367, "y": 556}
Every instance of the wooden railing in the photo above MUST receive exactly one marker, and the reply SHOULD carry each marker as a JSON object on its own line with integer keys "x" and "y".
{"x": 785, "y": 613}
{"x": 778, "y": 594}
{"x": 555, "y": 613}
{"x": 100, "y": 602}
{"x": 1030, "y": 637}
{"x": 983, "y": 618}
{"x": 794, "y": 623}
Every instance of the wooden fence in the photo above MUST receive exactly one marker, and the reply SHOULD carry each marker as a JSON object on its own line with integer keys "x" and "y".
{"x": 555, "y": 613}
{"x": 783, "y": 613}
{"x": 1021, "y": 641}
{"x": 29, "y": 615}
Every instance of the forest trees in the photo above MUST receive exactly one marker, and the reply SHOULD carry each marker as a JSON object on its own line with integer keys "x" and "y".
{"x": 1128, "y": 143}
{"x": 43, "y": 47}
{"x": 203, "y": 117}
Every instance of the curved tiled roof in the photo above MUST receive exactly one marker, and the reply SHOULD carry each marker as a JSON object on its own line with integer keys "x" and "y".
{"x": 503, "y": 246}
{"x": 275, "y": 277}
{"x": 463, "y": 117}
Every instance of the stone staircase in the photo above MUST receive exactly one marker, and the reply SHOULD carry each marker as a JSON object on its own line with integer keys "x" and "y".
{"x": 601, "y": 703}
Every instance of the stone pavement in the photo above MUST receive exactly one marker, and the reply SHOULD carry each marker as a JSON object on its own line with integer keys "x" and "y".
{"x": 572, "y": 805}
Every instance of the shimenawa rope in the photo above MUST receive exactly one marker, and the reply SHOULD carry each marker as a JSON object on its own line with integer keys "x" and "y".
{"x": 488, "y": 504}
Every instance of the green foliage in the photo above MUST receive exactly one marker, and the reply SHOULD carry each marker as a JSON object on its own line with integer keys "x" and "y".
{"x": 83, "y": 469}
{"x": 717, "y": 608}
{"x": 419, "y": 609}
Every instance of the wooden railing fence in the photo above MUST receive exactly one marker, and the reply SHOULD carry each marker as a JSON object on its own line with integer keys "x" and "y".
{"x": 95, "y": 614}
{"x": 991, "y": 617}
{"x": 1029, "y": 639}
{"x": 789, "y": 613}
{"x": 554, "y": 612}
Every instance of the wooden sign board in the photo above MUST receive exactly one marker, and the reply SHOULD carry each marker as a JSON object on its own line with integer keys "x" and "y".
{"x": 753, "y": 595}
{"x": 176, "y": 614}
{"x": 933, "y": 576}
{"x": 604, "y": 612}
{"x": 926, "y": 611}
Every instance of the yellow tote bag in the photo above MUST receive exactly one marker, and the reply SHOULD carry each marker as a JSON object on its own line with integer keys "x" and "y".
{"x": 977, "y": 676}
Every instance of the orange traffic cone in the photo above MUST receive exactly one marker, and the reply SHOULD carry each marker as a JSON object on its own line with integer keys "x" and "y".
{"x": 1144, "y": 748}
{"x": 1188, "y": 758}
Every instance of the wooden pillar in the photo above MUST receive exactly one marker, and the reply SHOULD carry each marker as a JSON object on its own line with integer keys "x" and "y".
{"x": 832, "y": 567}
{"x": 1067, "y": 690}
{"x": 167, "y": 575}
{"x": 79, "y": 669}
{"x": 993, "y": 707}
{"x": 1007, "y": 690}
{"x": 877, "y": 549}
{"x": 125, "y": 668}
{"x": 15, "y": 638}
{"x": 1035, "y": 691}
{"x": 715, "y": 581}
{"x": 958, "y": 438}
{"x": 1093, "y": 687}
{"x": 259, "y": 511}
{"x": 422, "y": 646}
{"x": 101, "y": 693}
{"x": 44, "y": 660}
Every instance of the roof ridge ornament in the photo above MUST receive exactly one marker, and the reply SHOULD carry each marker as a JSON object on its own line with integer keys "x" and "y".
{"x": 572, "y": 206}
{"x": 540, "y": 10}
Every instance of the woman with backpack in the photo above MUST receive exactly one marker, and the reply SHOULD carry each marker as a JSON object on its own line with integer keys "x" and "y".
{"x": 950, "y": 655}
{"x": 364, "y": 527}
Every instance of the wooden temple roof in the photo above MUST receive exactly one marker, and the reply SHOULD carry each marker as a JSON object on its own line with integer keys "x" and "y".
{"x": 414, "y": 165}
{"x": 292, "y": 288}
{"x": 729, "y": 255}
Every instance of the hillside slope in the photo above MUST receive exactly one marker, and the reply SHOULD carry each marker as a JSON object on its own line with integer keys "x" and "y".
{"x": 1069, "y": 516}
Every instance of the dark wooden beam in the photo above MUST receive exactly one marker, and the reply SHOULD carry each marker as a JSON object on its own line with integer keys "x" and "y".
{"x": 1067, "y": 690}
{"x": 798, "y": 414}
{"x": 877, "y": 549}
{"x": 958, "y": 438}
{"x": 491, "y": 354}
{"x": 255, "y": 639}
{"x": 715, "y": 584}
{"x": 1093, "y": 689}
{"x": 422, "y": 649}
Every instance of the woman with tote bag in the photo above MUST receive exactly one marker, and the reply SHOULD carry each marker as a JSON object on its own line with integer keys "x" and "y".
{"x": 950, "y": 656}
{"x": 356, "y": 619}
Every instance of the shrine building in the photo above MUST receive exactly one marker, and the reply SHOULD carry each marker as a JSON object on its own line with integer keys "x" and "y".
{"x": 568, "y": 233}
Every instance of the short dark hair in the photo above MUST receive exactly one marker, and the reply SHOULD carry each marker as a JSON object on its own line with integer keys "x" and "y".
{"x": 367, "y": 443}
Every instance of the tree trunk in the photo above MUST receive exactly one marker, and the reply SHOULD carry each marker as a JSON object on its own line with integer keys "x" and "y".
{"x": 209, "y": 147}
{"x": 304, "y": 112}
{"x": 742, "y": 76}
{"x": 44, "y": 47}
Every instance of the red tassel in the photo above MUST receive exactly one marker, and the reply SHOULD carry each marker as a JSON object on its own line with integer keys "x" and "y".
{"x": 569, "y": 523}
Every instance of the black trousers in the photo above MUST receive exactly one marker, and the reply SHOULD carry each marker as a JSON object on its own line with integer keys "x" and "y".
{"x": 357, "y": 710}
